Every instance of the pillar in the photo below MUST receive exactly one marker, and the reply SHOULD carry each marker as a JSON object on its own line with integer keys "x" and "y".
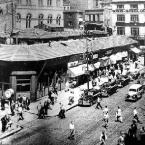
{"x": 33, "y": 91}
{"x": 13, "y": 83}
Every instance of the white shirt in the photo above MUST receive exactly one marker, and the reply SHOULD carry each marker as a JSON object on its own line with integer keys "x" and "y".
{"x": 119, "y": 112}
{"x": 71, "y": 126}
{"x": 105, "y": 110}
{"x": 134, "y": 112}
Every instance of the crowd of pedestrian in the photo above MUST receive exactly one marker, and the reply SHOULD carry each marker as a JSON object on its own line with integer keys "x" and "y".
{"x": 14, "y": 108}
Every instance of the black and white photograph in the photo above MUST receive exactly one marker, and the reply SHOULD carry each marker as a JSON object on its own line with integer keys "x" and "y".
{"x": 72, "y": 72}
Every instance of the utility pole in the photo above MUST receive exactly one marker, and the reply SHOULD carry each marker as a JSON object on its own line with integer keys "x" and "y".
{"x": 87, "y": 64}
{"x": 12, "y": 17}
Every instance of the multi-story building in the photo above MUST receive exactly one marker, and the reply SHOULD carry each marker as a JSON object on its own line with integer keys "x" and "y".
{"x": 100, "y": 12}
{"x": 72, "y": 19}
{"x": 128, "y": 17}
{"x": 66, "y": 5}
{"x": 7, "y": 12}
{"x": 30, "y": 13}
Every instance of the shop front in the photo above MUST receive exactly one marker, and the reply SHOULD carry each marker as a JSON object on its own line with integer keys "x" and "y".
{"x": 24, "y": 83}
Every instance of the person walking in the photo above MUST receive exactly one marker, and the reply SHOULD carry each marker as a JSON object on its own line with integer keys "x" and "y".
{"x": 119, "y": 115}
{"x": 98, "y": 103}
{"x": 20, "y": 112}
{"x": 106, "y": 116}
{"x": 12, "y": 108}
{"x": 135, "y": 115}
{"x": 72, "y": 130}
{"x": 103, "y": 138}
{"x": 121, "y": 140}
{"x": 39, "y": 107}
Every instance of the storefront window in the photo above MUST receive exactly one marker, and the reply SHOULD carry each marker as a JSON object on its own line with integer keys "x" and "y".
{"x": 120, "y": 30}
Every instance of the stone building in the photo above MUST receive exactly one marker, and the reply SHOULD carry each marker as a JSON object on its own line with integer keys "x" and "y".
{"x": 129, "y": 17}
{"x": 7, "y": 19}
{"x": 30, "y": 13}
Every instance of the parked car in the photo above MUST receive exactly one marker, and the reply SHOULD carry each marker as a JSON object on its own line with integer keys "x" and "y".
{"x": 123, "y": 81}
{"x": 109, "y": 88}
{"x": 89, "y": 97}
{"x": 135, "y": 92}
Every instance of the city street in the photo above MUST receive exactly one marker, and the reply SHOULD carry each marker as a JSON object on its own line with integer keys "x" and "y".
{"x": 88, "y": 124}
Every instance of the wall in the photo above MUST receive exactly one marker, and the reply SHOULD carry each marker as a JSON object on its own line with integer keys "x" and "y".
{"x": 35, "y": 10}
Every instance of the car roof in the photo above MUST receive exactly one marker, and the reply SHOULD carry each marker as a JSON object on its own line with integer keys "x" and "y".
{"x": 135, "y": 86}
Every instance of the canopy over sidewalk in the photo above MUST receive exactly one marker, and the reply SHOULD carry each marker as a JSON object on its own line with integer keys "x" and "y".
{"x": 59, "y": 49}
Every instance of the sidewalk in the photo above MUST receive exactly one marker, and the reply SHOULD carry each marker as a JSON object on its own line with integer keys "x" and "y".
{"x": 30, "y": 115}
{"x": 63, "y": 97}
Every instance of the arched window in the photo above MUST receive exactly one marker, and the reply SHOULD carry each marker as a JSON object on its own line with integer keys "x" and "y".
{"x": 49, "y": 21}
{"x": 18, "y": 18}
{"x": 58, "y": 19}
{"x": 28, "y": 2}
{"x": 28, "y": 20}
{"x": 1, "y": 11}
{"x": 40, "y": 19}
{"x": 58, "y": 3}
{"x": 49, "y": 2}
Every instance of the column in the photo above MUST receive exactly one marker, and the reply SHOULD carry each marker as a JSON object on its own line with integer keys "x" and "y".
{"x": 33, "y": 90}
{"x": 13, "y": 82}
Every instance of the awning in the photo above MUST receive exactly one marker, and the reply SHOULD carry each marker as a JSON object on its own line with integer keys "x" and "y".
{"x": 76, "y": 71}
{"x": 80, "y": 70}
{"x": 135, "y": 50}
{"x": 97, "y": 65}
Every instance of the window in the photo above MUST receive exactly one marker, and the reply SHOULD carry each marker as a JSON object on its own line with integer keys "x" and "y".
{"x": 134, "y": 18}
{"x": 49, "y": 21}
{"x": 134, "y": 6}
{"x": 49, "y": 2}
{"x": 120, "y": 6}
{"x": 18, "y": 2}
{"x": 58, "y": 3}
{"x": 121, "y": 18}
{"x": 101, "y": 17}
{"x": 40, "y": 3}
{"x": 40, "y": 19}
{"x": 86, "y": 17}
{"x": 134, "y": 31}
{"x": 121, "y": 30}
{"x": 58, "y": 19}
{"x": 70, "y": 23}
{"x": 28, "y": 2}
{"x": 28, "y": 20}
{"x": 18, "y": 18}
{"x": 1, "y": 11}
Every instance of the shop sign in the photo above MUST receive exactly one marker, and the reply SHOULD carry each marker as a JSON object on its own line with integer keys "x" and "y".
{"x": 108, "y": 52}
{"x": 95, "y": 56}
{"x": 129, "y": 10}
{"x": 72, "y": 64}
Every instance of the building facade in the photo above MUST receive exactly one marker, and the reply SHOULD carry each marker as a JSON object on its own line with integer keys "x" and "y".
{"x": 72, "y": 19}
{"x": 66, "y": 5}
{"x": 129, "y": 17}
{"x": 99, "y": 13}
{"x": 30, "y": 13}
{"x": 7, "y": 19}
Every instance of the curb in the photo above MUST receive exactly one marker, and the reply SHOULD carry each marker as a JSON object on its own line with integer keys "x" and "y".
{"x": 56, "y": 114}
{"x": 7, "y": 134}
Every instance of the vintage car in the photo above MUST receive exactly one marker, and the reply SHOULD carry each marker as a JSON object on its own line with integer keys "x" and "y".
{"x": 123, "y": 80}
{"x": 135, "y": 92}
{"x": 109, "y": 88}
{"x": 89, "y": 97}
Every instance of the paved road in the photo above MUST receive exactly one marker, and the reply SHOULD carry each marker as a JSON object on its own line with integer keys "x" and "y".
{"x": 88, "y": 124}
